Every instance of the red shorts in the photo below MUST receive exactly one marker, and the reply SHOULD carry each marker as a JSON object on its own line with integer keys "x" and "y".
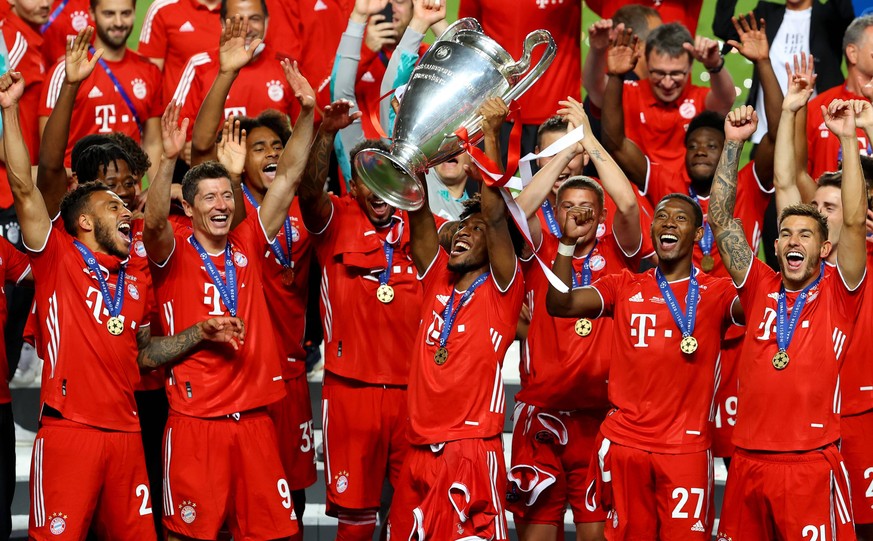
{"x": 787, "y": 496}
{"x": 551, "y": 452}
{"x": 726, "y": 399}
{"x": 855, "y": 431}
{"x": 292, "y": 417}
{"x": 219, "y": 471}
{"x": 653, "y": 495}
{"x": 81, "y": 474}
{"x": 450, "y": 492}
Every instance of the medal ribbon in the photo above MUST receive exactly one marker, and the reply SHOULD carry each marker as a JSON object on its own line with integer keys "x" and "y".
{"x": 551, "y": 221}
{"x": 684, "y": 322}
{"x": 586, "y": 269}
{"x": 708, "y": 238}
{"x": 113, "y": 305}
{"x": 275, "y": 246}
{"x": 785, "y": 326}
{"x": 450, "y": 313}
{"x": 54, "y": 15}
{"x": 227, "y": 290}
{"x": 389, "y": 259}
{"x": 121, "y": 92}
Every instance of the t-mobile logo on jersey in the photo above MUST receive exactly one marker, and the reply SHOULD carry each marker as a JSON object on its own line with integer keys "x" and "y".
{"x": 212, "y": 299}
{"x": 433, "y": 331}
{"x": 768, "y": 326}
{"x": 642, "y": 325}
{"x": 94, "y": 301}
{"x": 105, "y": 118}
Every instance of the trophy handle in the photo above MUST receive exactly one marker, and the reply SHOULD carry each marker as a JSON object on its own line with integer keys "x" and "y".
{"x": 467, "y": 23}
{"x": 537, "y": 37}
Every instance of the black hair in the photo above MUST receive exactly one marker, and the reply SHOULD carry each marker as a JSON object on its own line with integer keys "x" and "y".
{"x": 553, "y": 124}
{"x": 581, "y": 182}
{"x": 474, "y": 206}
{"x": 96, "y": 159}
{"x": 139, "y": 161}
{"x": 200, "y": 172}
{"x": 698, "y": 214}
{"x": 223, "y": 10}
{"x": 271, "y": 119}
{"x": 78, "y": 202}
{"x": 706, "y": 119}
{"x": 809, "y": 211}
{"x": 85, "y": 142}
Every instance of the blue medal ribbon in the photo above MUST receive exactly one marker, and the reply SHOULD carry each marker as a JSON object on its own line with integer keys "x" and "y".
{"x": 586, "y": 269}
{"x": 451, "y": 312}
{"x": 685, "y": 322}
{"x": 551, "y": 221}
{"x": 785, "y": 326}
{"x": 708, "y": 238}
{"x": 227, "y": 290}
{"x": 275, "y": 246}
{"x": 113, "y": 305}
{"x": 385, "y": 275}
{"x": 54, "y": 15}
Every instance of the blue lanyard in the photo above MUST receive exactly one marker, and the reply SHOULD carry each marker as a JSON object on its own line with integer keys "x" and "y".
{"x": 785, "y": 326}
{"x": 586, "y": 269}
{"x": 227, "y": 290}
{"x": 450, "y": 313}
{"x": 551, "y": 221}
{"x": 54, "y": 15}
{"x": 708, "y": 238}
{"x": 684, "y": 322}
{"x": 275, "y": 246}
{"x": 385, "y": 275}
{"x": 113, "y": 305}
{"x": 121, "y": 91}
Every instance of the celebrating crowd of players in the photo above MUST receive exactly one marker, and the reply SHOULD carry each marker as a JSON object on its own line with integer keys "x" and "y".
{"x": 171, "y": 319}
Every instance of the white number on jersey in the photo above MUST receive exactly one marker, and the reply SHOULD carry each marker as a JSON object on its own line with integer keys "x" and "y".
{"x": 143, "y": 492}
{"x": 681, "y": 494}
{"x": 285, "y": 493}
{"x": 306, "y": 436}
{"x": 730, "y": 410}
{"x": 815, "y": 533}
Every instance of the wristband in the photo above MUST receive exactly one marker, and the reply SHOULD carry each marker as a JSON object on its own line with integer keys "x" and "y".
{"x": 718, "y": 68}
{"x": 566, "y": 249}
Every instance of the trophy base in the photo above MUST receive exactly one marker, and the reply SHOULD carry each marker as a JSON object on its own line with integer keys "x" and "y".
{"x": 390, "y": 178}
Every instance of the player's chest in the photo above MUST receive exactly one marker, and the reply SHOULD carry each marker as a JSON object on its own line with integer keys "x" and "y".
{"x": 646, "y": 319}
{"x": 108, "y": 302}
{"x": 257, "y": 90}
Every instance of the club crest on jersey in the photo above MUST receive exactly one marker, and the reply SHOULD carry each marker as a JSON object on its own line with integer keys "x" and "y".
{"x": 133, "y": 292}
{"x": 58, "y": 523}
{"x": 342, "y": 481}
{"x": 597, "y": 262}
{"x": 139, "y": 88}
{"x": 601, "y": 230}
{"x": 139, "y": 248}
{"x": 722, "y": 537}
{"x": 688, "y": 110}
{"x": 188, "y": 511}
{"x": 275, "y": 90}
{"x": 295, "y": 234}
{"x": 13, "y": 233}
{"x": 240, "y": 259}
{"x": 78, "y": 20}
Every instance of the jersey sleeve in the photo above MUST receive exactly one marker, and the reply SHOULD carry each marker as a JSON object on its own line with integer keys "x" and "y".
{"x": 608, "y": 288}
{"x": 748, "y": 289}
{"x": 17, "y": 264}
{"x": 51, "y": 90}
{"x": 155, "y": 106}
{"x": 435, "y": 271}
{"x": 153, "y": 35}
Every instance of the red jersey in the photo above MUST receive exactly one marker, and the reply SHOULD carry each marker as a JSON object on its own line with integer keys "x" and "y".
{"x": 654, "y": 125}
{"x": 14, "y": 266}
{"x": 371, "y": 71}
{"x": 63, "y": 25}
{"x": 215, "y": 380}
{"x": 176, "y": 30}
{"x": 752, "y": 201}
{"x": 856, "y": 377}
{"x": 99, "y": 107}
{"x": 365, "y": 339}
{"x": 287, "y": 303}
{"x": 809, "y": 387}
{"x": 463, "y": 398}
{"x": 560, "y": 369}
{"x": 824, "y": 151}
{"x": 90, "y": 374}
{"x": 508, "y": 27}
{"x": 686, "y": 12}
{"x": 663, "y": 398}
{"x": 260, "y": 85}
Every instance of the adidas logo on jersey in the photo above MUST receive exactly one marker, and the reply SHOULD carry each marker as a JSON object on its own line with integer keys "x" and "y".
{"x": 444, "y": 299}
{"x": 186, "y": 27}
{"x": 368, "y": 78}
{"x": 638, "y": 297}
{"x": 697, "y": 527}
{"x": 95, "y": 93}
{"x": 320, "y": 6}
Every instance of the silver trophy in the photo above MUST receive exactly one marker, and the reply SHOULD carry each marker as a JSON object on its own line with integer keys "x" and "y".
{"x": 461, "y": 70}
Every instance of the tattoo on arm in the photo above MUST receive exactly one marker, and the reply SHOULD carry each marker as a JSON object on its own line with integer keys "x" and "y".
{"x": 317, "y": 167}
{"x": 732, "y": 244}
{"x": 159, "y": 350}
{"x": 596, "y": 155}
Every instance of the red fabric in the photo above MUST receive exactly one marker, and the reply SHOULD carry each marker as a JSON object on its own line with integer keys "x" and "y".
{"x": 508, "y": 27}
{"x": 13, "y": 266}
{"x": 726, "y": 393}
{"x": 292, "y": 417}
{"x": 463, "y": 398}
{"x": 809, "y": 386}
{"x": 176, "y": 30}
{"x": 856, "y": 376}
{"x": 75, "y": 16}
{"x": 857, "y": 454}
{"x": 686, "y": 12}
{"x": 215, "y": 379}
{"x": 662, "y": 397}
{"x": 823, "y": 147}
{"x": 486, "y": 164}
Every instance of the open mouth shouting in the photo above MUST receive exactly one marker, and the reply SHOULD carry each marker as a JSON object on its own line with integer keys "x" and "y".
{"x": 460, "y": 247}
{"x": 668, "y": 241}
{"x": 269, "y": 170}
{"x": 794, "y": 260}
{"x": 124, "y": 231}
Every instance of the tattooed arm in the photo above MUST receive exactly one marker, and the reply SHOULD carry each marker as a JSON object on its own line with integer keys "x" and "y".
{"x": 159, "y": 350}
{"x": 735, "y": 252}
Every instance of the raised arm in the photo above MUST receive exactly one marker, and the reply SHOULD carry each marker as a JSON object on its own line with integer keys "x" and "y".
{"x": 233, "y": 55}
{"x": 51, "y": 176}
{"x": 723, "y": 94}
{"x": 582, "y": 301}
{"x": 424, "y": 237}
{"x": 735, "y": 252}
{"x": 594, "y": 70}
{"x": 231, "y": 153}
{"x": 155, "y": 351}
{"x": 801, "y": 83}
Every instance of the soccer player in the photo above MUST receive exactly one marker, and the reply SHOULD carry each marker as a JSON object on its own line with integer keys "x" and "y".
{"x": 791, "y": 358}
{"x": 565, "y": 362}
{"x": 123, "y": 94}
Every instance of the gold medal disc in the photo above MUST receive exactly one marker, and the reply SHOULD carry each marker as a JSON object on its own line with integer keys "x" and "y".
{"x": 115, "y": 326}
{"x": 707, "y": 263}
{"x": 780, "y": 360}
{"x": 583, "y": 326}
{"x": 688, "y": 345}
{"x": 441, "y": 356}
{"x": 385, "y": 293}
{"x": 287, "y": 276}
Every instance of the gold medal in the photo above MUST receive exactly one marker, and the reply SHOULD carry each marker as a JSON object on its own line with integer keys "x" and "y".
{"x": 115, "y": 326}
{"x": 707, "y": 263}
{"x": 385, "y": 293}
{"x": 441, "y": 356}
{"x": 780, "y": 360}
{"x": 287, "y": 276}
{"x": 688, "y": 345}
{"x": 583, "y": 326}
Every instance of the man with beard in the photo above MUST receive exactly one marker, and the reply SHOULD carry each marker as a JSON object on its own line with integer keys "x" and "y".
{"x": 788, "y": 420}
{"x": 123, "y": 92}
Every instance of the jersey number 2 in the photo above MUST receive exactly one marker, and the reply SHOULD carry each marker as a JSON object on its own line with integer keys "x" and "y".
{"x": 142, "y": 491}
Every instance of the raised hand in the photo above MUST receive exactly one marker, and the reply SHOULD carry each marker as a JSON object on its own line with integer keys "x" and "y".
{"x": 494, "y": 112}
{"x": 336, "y": 116}
{"x": 172, "y": 134}
{"x": 578, "y": 222}
{"x": 839, "y": 117}
{"x": 369, "y": 7}
{"x": 379, "y": 33}
{"x": 226, "y": 330}
{"x": 428, "y": 12}
{"x": 741, "y": 123}
{"x": 302, "y": 89}
{"x": 231, "y": 150}
{"x": 705, "y": 51}
{"x": 622, "y": 56}
{"x": 753, "y": 42}
{"x": 574, "y": 112}
{"x": 233, "y": 55}
{"x": 601, "y": 34}
{"x": 863, "y": 114}
{"x": 801, "y": 82}
{"x": 76, "y": 63}
{"x": 11, "y": 89}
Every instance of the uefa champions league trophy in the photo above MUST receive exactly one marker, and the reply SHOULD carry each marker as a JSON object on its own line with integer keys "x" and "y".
{"x": 461, "y": 70}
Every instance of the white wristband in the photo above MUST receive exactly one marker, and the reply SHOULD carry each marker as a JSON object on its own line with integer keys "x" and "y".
{"x": 566, "y": 249}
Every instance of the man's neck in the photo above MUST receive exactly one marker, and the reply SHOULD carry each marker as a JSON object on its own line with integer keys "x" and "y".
{"x": 584, "y": 248}
{"x": 91, "y": 243}
{"x": 676, "y": 270}
{"x": 466, "y": 280}
{"x": 110, "y": 54}
{"x": 257, "y": 195}
{"x": 702, "y": 188}
{"x": 212, "y": 245}
{"x": 456, "y": 190}
{"x": 211, "y": 4}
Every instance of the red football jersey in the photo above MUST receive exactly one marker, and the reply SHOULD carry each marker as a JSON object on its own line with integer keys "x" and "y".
{"x": 176, "y": 30}
{"x": 560, "y": 369}
{"x": 663, "y": 398}
{"x": 752, "y": 201}
{"x": 99, "y": 107}
{"x": 654, "y": 125}
{"x": 287, "y": 303}
{"x": 214, "y": 379}
{"x": 14, "y": 265}
{"x": 260, "y": 85}
{"x": 824, "y": 152}
{"x": 508, "y": 27}
{"x": 856, "y": 377}
{"x": 463, "y": 398}
{"x": 797, "y": 408}
{"x": 365, "y": 339}
{"x": 90, "y": 374}
{"x": 66, "y": 24}
{"x": 686, "y": 12}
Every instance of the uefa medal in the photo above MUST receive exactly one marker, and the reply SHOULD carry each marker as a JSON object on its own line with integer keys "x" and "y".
{"x": 688, "y": 345}
{"x": 780, "y": 360}
{"x": 441, "y": 356}
{"x": 115, "y": 326}
{"x": 385, "y": 293}
{"x": 707, "y": 263}
{"x": 287, "y": 276}
{"x": 583, "y": 326}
